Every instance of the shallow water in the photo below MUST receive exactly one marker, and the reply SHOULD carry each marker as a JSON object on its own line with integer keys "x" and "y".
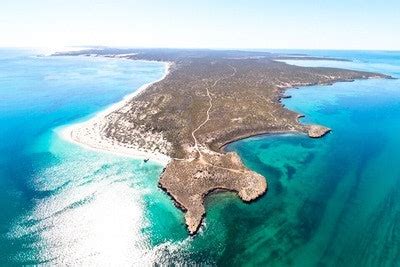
{"x": 62, "y": 204}
{"x": 331, "y": 201}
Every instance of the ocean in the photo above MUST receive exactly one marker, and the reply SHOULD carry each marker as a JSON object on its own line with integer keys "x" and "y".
{"x": 331, "y": 201}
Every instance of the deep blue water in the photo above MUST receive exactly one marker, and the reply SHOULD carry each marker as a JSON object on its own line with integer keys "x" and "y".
{"x": 331, "y": 202}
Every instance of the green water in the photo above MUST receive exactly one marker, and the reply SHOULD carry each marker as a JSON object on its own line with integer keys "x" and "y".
{"x": 331, "y": 202}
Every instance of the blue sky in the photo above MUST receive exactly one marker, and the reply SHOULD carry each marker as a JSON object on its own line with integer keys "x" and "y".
{"x": 318, "y": 24}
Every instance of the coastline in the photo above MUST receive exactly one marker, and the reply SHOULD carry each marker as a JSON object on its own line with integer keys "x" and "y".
{"x": 87, "y": 134}
{"x": 92, "y": 139}
{"x": 194, "y": 169}
{"x": 323, "y": 129}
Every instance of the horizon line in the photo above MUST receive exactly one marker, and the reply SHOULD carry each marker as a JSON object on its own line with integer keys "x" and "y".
{"x": 196, "y": 48}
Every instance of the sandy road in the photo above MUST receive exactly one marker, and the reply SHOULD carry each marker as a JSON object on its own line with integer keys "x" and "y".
{"x": 196, "y": 144}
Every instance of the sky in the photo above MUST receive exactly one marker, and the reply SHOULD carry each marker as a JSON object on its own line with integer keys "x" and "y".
{"x": 262, "y": 24}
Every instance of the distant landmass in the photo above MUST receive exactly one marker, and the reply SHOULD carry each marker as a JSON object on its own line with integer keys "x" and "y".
{"x": 206, "y": 100}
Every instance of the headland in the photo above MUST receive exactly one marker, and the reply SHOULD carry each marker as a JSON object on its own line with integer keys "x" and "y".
{"x": 207, "y": 99}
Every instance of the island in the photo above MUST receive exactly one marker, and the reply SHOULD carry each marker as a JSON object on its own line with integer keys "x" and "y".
{"x": 206, "y": 100}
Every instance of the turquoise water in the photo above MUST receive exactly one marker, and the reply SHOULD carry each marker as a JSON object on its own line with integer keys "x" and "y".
{"x": 61, "y": 204}
{"x": 331, "y": 202}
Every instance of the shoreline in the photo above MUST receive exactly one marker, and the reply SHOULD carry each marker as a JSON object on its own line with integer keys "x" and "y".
{"x": 87, "y": 134}
{"x": 93, "y": 140}
{"x": 281, "y": 97}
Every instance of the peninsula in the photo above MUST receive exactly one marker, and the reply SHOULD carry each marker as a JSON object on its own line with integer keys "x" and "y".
{"x": 207, "y": 99}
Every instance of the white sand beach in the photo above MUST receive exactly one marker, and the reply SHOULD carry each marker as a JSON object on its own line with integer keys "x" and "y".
{"x": 89, "y": 134}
